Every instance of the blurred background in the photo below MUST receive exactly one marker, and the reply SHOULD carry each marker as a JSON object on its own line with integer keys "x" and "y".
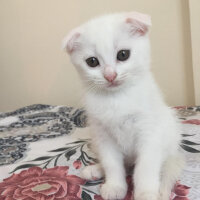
{"x": 34, "y": 68}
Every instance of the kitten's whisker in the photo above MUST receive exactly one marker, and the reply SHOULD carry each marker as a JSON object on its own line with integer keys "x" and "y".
{"x": 124, "y": 76}
{"x": 94, "y": 81}
{"x": 90, "y": 88}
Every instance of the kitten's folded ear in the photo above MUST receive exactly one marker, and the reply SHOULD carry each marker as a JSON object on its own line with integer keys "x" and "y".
{"x": 139, "y": 23}
{"x": 70, "y": 42}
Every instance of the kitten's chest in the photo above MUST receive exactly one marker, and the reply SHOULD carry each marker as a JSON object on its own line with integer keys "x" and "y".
{"x": 123, "y": 129}
{"x": 111, "y": 110}
{"x": 119, "y": 119}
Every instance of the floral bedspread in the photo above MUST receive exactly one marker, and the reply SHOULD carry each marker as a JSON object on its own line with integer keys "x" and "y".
{"x": 44, "y": 147}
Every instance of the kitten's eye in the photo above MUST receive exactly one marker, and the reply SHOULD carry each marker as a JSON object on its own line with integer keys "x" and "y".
{"x": 123, "y": 55}
{"x": 92, "y": 61}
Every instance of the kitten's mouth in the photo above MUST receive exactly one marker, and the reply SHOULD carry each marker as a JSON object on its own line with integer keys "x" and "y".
{"x": 114, "y": 84}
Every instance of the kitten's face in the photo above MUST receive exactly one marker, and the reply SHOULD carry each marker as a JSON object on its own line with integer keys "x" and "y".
{"x": 110, "y": 52}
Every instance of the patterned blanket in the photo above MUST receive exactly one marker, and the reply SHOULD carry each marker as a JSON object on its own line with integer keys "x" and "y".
{"x": 44, "y": 147}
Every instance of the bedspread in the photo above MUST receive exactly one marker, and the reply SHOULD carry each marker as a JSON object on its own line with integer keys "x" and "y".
{"x": 44, "y": 147}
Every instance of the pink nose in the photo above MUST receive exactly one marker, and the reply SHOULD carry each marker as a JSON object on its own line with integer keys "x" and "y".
{"x": 110, "y": 77}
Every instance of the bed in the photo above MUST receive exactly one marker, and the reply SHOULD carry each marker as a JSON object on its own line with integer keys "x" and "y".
{"x": 44, "y": 147}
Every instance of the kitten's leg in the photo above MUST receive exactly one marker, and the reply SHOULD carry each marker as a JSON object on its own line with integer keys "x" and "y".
{"x": 92, "y": 172}
{"x": 111, "y": 159}
{"x": 147, "y": 174}
{"x": 170, "y": 172}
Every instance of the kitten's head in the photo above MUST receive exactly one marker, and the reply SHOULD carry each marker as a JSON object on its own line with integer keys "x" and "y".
{"x": 112, "y": 51}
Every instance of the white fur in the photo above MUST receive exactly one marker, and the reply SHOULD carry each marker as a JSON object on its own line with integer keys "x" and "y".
{"x": 92, "y": 172}
{"x": 131, "y": 123}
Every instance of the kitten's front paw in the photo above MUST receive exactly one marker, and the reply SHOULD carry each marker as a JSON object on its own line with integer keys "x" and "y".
{"x": 113, "y": 191}
{"x": 92, "y": 172}
{"x": 146, "y": 196}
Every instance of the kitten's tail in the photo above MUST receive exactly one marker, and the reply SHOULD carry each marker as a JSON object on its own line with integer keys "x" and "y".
{"x": 170, "y": 173}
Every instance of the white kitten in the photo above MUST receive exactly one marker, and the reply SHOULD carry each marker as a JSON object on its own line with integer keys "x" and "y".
{"x": 131, "y": 124}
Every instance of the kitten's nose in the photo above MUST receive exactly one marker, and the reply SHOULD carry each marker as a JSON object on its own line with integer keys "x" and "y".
{"x": 109, "y": 74}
